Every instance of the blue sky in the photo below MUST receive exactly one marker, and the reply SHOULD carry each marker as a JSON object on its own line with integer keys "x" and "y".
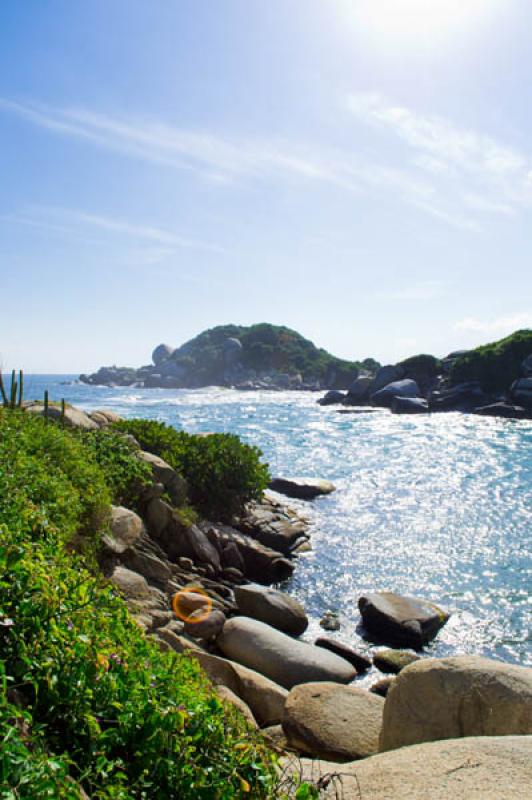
{"x": 360, "y": 170}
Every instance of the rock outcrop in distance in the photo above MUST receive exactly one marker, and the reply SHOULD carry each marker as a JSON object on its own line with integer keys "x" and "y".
{"x": 493, "y": 380}
{"x": 260, "y": 356}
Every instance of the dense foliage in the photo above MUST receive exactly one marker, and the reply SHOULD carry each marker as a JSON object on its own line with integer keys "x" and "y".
{"x": 222, "y": 473}
{"x": 421, "y": 364}
{"x": 265, "y": 347}
{"x": 495, "y": 365}
{"x": 85, "y": 699}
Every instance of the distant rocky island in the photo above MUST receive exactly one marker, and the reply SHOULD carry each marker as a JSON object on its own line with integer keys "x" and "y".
{"x": 259, "y": 356}
{"x": 495, "y": 379}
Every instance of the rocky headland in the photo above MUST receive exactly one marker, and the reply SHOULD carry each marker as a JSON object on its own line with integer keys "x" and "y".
{"x": 260, "y": 356}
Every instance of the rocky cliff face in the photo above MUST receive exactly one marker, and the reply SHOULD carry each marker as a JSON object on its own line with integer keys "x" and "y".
{"x": 260, "y": 356}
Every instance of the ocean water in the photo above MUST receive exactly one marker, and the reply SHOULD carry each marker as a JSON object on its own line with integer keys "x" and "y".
{"x": 437, "y": 506}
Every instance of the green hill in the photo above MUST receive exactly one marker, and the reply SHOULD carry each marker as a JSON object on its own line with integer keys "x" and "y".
{"x": 264, "y": 348}
{"x": 495, "y": 365}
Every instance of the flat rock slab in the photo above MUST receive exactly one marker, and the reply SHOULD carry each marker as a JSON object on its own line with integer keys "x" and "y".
{"x": 328, "y": 720}
{"x": 302, "y": 488}
{"x": 393, "y": 661}
{"x": 284, "y": 660}
{"x": 460, "y": 696}
{"x": 402, "y": 621}
{"x": 483, "y": 768}
{"x": 271, "y": 606}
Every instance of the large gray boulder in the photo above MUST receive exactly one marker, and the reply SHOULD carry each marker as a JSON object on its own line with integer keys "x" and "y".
{"x": 385, "y": 396}
{"x": 526, "y": 367}
{"x": 485, "y": 768}
{"x": 360, "y": 388}
{"x": 271, "y": 606}
{"x": 284, "y": 660}
{"x": 265, "y": 698}
{"x": 161, "y": 353}
{"x": 126, "y": 528}
{"x": 328, "y": 720}
{"x": 400, "y": 621}
{"x": 409, "y": 405}
{"x": 72, "y": 418}
{"x": 460, "y": 696}
{"x": 522, "y": 392}
{"x": 301, "y": 488}
{"x": 174, "y": 484}
{"x": 386, "y": 375}
{"x": 332, "y": 397}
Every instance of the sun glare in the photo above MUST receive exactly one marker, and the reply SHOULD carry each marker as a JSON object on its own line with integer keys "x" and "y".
{"x": 410, "y": 19}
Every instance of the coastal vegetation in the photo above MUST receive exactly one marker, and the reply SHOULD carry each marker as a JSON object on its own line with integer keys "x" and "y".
{"x": 86, "y": 701}
{"x": 496, "y": 365}
{"x": 222, "y": 473}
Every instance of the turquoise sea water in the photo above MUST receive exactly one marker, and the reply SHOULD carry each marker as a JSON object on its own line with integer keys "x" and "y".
{"x": 437, "y": 506}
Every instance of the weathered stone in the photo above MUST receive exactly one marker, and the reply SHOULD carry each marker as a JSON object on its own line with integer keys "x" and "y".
{"x": 328, "y": 720}
{"x": 331, "y": 397}
{"x": 504, "y": 410}
{"x": 409, "y": 405}
{"x": 149, "y": 565}
{"x": 161, "y": 353}
{"x": 199, "y": 626}
{"x": 360, "y": 662}
{"x": 73, "y": 417}
{"x": 130, "y": 583}
{"x": 393, "y": 661}
{"x": 330, "y": 621}
{"x": 460, "y": 696}
{"x": 271, "y": 606}
{"x": 397, "y": 620}
{"x": 276, "y": 736}
{"x": 383, "y": 686}
{"x": 174, "y": 484}
{"x": 158, "y": 516}
{"x": 229, "y": 696}
{"x": 231, "y": 557}
{"x": 265, "y": 698}
{"x": 281, "y": 658}
{"x": 386, "y": 375}
{"x": 126, "y": 530}
{"x": 484, "y": 768}
{"x": 385, "y": 396}
{"x": 302, "y": 488}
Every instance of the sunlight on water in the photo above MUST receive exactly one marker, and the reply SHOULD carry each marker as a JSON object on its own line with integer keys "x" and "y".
{"x": 437, "y": 506}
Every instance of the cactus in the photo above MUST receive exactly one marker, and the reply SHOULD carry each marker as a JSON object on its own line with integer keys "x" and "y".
{"x": 20, "y": 387}
{"x": 3, "y": 391}
{"x": 46, "y": 404}
{"x": 14, "y": 385}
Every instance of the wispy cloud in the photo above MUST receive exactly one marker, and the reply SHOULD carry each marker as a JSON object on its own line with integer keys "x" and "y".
{"x": 454, "y": 175}
{"x": 468, "y": 171}
{"x": 77, "y": 224}
{"x": 500, "y": 325}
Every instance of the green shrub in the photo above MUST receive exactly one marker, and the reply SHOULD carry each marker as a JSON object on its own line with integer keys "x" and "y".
{"x": 104, "y": 708}
{"x": 222, "y": 473}
{"x": 124, "y": 474}
{"x": 421, "y": 365}
{"x": 494, "y": 365}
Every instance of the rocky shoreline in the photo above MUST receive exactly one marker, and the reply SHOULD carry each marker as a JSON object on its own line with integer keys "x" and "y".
{"x": 206, "y": 590}
{"x": 421, "y": 389}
